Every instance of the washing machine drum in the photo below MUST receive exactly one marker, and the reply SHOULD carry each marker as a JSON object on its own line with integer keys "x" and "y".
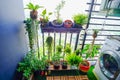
{"x": 109, "y": 63}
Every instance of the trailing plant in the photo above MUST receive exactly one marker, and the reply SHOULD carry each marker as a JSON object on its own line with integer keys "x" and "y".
{"x": 33, "y": 8}
{"x": 31, "y": 28}
{"x": 49, "y": 44}
{"x": 80, "y": 19}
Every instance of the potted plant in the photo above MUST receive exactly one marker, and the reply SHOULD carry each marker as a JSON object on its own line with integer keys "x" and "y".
{"x": 33, "y": 8}
{"x": 39, "y": 66}
{"x": 68, "y": 23}
{"x": 56, "y": 60}
{"x": 90, "y": 50}
{"x": 59, "y": 50}
{"x": 73, "y": 60}
{"x": 58, "y": 21}
{"x": 80, "y": 20}
{"x": 49, "y": 44}
{"x": 45, "y": 18}
{"x": 64, "y": 65}
{"x": 26, "y": 67}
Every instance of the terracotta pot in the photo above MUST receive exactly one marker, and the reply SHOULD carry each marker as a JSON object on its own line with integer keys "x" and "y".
{"x": 68, "y": 23}
{"x": 84, "y": 67}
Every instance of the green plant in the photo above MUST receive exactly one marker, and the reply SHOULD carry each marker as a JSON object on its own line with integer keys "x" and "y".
{"x": 67, "y": 49}
{"x": 90, "y": 52}
{"x": 49, "y": 44}
{"x": 59, "y": 48}
{"x": 45, "y": 16}
{"x": 58, "y": 9}
{"x": 56, "y": 58}
{"x": 91, "y": 49}
{"x": 33, "y": 8}
{"x": 78, "y": 52}
{"x": 31, "y": 28}
{"x": 80, "y": 19}
{"x": 26, "y": 65}
{"x": 73, "y": 59}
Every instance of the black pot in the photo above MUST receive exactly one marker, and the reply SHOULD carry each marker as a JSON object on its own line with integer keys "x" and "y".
{"x": 64, "y": 66}
{"x": 37, "y": 72}
{"x": 77, "y": 26}
{"x": 56, "y": 66}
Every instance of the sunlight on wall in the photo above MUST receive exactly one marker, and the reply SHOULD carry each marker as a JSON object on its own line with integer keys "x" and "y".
{"x": 71, "y": 7}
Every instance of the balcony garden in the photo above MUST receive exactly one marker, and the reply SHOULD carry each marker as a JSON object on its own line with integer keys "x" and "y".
{"x": 56, "y": 56}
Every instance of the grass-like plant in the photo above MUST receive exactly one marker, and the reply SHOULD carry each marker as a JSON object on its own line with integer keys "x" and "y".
{"x": 80, "y": 19}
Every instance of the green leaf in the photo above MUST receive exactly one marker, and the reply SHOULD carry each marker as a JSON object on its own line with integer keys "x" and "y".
{"x": 44, "y": 12}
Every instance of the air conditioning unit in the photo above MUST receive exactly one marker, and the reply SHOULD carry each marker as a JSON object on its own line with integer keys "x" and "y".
{"x": 111, "y": 7}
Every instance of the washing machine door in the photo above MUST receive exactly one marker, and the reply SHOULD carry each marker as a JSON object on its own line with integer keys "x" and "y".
{"x": 109, "y": 63}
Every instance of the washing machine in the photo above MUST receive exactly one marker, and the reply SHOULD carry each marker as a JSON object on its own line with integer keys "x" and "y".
{"x": 108, "y": 64}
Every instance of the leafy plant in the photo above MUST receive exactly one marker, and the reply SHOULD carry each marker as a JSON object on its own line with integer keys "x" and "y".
{"x": 26, "y": 65}
{"x": 80, "y": 19}
{"x": 67, "y": 49}
{"x": 78, "y": 52}
{"x": 90, "y": 52}
{"x": 45, "y": 16}
{"x": 91, "y": 49}
{"x": 73, "y": 59}
{"x": 31, "y": 6}
{"x": 56, "y": 58}
{"x": 59, "y": 48}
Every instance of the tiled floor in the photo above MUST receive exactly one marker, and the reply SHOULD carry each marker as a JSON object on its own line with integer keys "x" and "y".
{"x": 80, "y": 77}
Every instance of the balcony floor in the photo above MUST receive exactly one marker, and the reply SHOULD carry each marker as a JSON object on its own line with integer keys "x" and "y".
{"x": 80, "y": 77}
